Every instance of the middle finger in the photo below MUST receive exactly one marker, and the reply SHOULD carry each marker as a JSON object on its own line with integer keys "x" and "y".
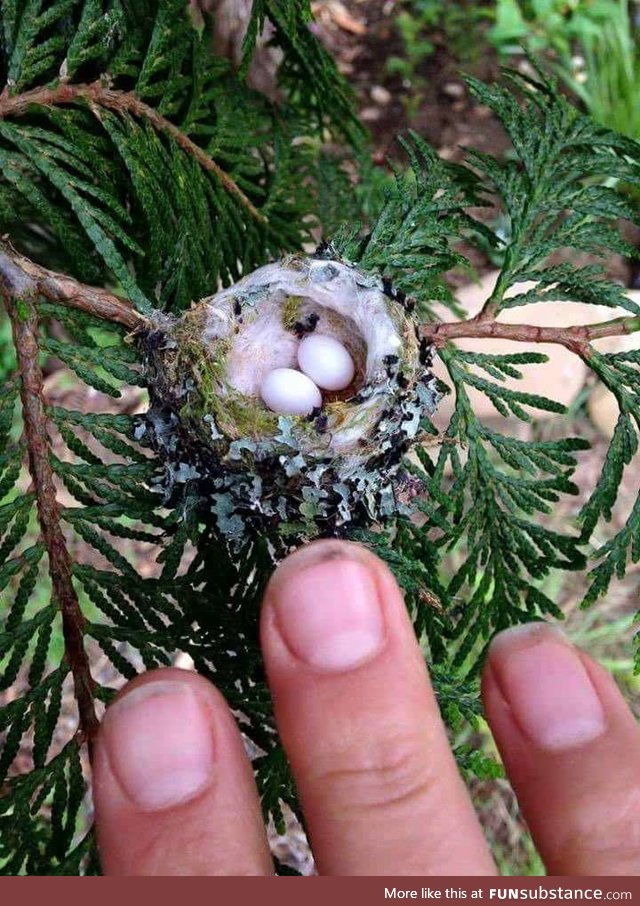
{"x": 377, "y": 780}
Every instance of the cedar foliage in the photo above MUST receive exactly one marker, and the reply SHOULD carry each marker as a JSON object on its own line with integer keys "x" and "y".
{"x": 100, "y": 184}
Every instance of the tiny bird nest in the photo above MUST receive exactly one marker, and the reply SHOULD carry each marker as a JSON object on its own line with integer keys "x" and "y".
{"x": 259, "y": 471}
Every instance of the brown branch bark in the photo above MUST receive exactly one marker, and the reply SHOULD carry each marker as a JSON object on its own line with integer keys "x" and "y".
{"x": 577, "y": 338}
{"x": 24, "y": 321}
{"x": 96, "y": 94}
{"x": 20, "y": 277}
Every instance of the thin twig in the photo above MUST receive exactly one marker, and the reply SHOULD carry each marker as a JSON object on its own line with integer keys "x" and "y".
{"x": 21, "y": 277}
{"x": 24, "y": 319}
{"x": 124, "y": 102}
{"x": 575, "y": 338}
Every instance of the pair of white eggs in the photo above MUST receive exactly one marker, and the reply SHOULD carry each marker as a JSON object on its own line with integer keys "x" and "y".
{"x": 325, "y": 364}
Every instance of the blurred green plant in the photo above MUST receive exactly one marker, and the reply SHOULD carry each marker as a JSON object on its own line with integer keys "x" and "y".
{"x": 548, "y": 25}
{"x": 608, "y": 81}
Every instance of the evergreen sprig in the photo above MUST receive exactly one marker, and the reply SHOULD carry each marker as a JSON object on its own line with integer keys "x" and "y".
{"x": 129, "y": 152}
{"x": 411, "y": 242}
{"x": 309, "y": 73}
{"x": 491, "y": 495}
{"x": 133, "y": 158}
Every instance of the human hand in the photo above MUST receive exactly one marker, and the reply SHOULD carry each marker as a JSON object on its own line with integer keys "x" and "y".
{"x": 381, "y": 794}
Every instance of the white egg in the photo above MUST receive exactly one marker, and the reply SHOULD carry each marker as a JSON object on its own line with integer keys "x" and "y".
{"x": 290, "y": 392}
{"x": 326, "y": 361}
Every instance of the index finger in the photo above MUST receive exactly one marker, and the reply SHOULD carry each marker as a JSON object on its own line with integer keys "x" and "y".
{"x": 173, "y": 787}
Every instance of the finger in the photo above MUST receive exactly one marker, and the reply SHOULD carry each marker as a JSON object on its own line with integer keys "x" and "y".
{"x": 379, "y": 787}
{"x": 571, "y": 748}
{"x": 174, "y": 791}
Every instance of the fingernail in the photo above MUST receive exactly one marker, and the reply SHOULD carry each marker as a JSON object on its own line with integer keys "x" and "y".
{"x": 160, "y": 745}
{"x": 329, "y": 614}
{"x": 547, "y": 687}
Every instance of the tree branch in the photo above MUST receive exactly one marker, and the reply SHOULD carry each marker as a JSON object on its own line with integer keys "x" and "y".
{"x": 577, "y": 338}
{"x": 24, "y": 321}
{"x": 20, "y": 277}
{"x": 124, "y": 102}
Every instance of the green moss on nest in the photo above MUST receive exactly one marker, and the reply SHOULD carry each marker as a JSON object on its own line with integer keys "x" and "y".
{"x": 291, "y": 311}
{"x": 246, "y": 418}
{"x": 235, "y": 415}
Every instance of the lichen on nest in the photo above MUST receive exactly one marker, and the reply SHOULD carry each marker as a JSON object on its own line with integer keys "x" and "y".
{"x": 257, "y": 471}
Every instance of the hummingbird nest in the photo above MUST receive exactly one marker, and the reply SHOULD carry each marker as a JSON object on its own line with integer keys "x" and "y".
{"x": 255, "y": 470}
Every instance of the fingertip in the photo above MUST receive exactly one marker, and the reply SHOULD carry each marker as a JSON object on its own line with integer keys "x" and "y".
{"x": 523, "y": 635}
{"x": 188, "y": 679}
{"x": 333, "y": 605}
{"x": 173, "y": 788}
{"x": 324, "y": 605}
{"x": 543, "y": 678}
{"x": 570, "y": 745}
{"x": 320, "y": 551}
{"x": 158, "y": 740}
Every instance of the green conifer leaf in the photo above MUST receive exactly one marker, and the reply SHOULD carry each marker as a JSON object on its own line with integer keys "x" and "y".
{"x": 162, "y": 176}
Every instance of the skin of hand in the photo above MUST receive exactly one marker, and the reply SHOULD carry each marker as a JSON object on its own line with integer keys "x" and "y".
{"x": 381, "y": 794}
